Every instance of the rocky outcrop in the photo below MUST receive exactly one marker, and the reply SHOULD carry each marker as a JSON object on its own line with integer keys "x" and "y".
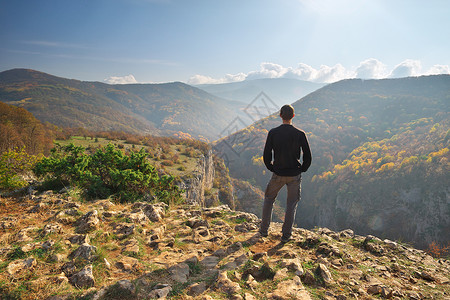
{"x": 200, "y": 180}
{"x": 202, "y": 253}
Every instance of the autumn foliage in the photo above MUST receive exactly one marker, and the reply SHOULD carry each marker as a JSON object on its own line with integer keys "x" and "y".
{"x": 20, "y": 129}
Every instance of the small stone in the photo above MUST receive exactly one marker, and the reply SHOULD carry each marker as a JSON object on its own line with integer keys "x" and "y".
{"x": 18, "y": 266}
{"x": 124, "y": 229}
{"x": 281, "y": 274}
{"x": 51, "y": 228}
{"x": 427, "y": 276}
{"x": 79, "y": 239}
{"x": 210, "y": 262}
{"x": 347, "y": 233}
{"x": 196, "y": 289}
{"x": 374, "y": 290}
{"x": 85, "y": 251}
{"x": 294, "y": 265}
{"x": 154, "y": 212}
{"x": 107, "y": 264}
{"x": 57, "y": 258}
{"x": 127, "y": 263}
{"x": 47, "y": 244}
{"x": 22, "y": 235}
{"x": 124, "y": 287}
{"x": 323, "y": 271}
{"x": 160, "y": 291}
{"x": 131, "y": 247}
{"x": 308, "y": 278}
{"x": 179, "y": 272}
{"x": 84, "y": 278}
{"x": 386, "y": 292}
{"x": 88, "y": 222}
{"x": 28, "y": 247}
{"x": 226, "y": 285}
{"x": 290, "y": 289}
{"x": 248, "y": 296}
{"x": 390, "y": 244}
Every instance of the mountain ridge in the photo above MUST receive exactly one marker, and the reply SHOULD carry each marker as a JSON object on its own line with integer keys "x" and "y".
{"x": 159, "y": 109}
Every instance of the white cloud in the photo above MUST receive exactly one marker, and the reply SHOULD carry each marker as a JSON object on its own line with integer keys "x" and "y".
{"x": 438, "y": 69}
{"x": 201, "y": 79}
{"x": 407, "y": 68}
{"x": 368, "y": 69}
{"x": 331, "y": 74}
{"x": 121, "y": 80}
{"x": 371, "y": 69}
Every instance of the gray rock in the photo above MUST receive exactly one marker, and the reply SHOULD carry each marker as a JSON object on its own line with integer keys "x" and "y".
{"x": 37, "y": 208}
{"x": 124, "y": 229}
{"x": 18, "y": 266}
{"x": 323, "y": 271}
{"x": 245, "y": 227}
{"x": 127, "y": 264}
{"x": 131, "y": 247}
{"x": 47, "y": 244}
{"x": 51, "y": 228}
{"x": 179, "y": 272}
{"x": 88, "y": 222}
{"x": 227, "y": 286}
{"x": 84, "y": 278}
{"x": 79, "y": 239}
{"x": 22, "y": 235}
{"x": 196, "y": 288}
{"x": 85, "y": 251}
{"x": 155, "y": 212}
{"x": 293, "y": 265}
{"x": 290, "y": 289}
{"x": 124, "y": 287}
{"x": 210, "y": 262}
{"x": 160, "y": 291}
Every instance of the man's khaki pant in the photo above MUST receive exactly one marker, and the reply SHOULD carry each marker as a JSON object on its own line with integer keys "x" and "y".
{"x": 293, "y": 196}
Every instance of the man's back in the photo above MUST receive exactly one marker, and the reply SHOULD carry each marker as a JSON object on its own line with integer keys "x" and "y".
{"x": 287, "y": 143}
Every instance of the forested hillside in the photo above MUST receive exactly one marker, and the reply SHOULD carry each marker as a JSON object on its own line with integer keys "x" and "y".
{"x": 157, "y": 109}
{"x": 380, "y": 157}
{"x": 19, "y": 128}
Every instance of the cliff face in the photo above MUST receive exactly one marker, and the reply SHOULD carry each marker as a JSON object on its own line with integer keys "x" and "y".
{"x": 200, "y": 180}
{"x": 416, "y": 214}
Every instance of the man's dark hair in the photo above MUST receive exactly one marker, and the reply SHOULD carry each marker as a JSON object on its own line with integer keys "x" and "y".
{"x": 287, "y": 112}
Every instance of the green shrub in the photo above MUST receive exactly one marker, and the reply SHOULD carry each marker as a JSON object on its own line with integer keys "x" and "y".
{"x": 108, "y": 172}
{"x": 13, "y": 163}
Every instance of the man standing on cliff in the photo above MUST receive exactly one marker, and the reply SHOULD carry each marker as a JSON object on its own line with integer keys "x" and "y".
{"x": 287, "y": 143}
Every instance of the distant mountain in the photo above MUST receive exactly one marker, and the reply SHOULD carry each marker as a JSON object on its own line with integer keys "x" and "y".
{"x": 279, "y": 90}
{"x": 380, "y": 157}
{"x": 159, "y": 109}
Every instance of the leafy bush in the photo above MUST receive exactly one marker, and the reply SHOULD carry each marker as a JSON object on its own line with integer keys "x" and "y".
{"x": 108, "y": 172}
{"x": 13, "y": 163}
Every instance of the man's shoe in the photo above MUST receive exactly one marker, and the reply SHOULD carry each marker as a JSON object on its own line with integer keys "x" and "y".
{"x": 263, "y": 234}
{"x": 284, "y": 240}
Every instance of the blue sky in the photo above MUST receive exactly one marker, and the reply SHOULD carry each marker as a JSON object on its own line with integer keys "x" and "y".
{"x": 213, "y": 41}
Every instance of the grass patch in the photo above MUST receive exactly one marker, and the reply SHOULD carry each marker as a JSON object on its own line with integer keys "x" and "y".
{"x": 194, "y": 268}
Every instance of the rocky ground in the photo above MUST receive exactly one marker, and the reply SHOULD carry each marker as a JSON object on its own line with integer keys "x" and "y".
{"x": 53, "y": 247}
